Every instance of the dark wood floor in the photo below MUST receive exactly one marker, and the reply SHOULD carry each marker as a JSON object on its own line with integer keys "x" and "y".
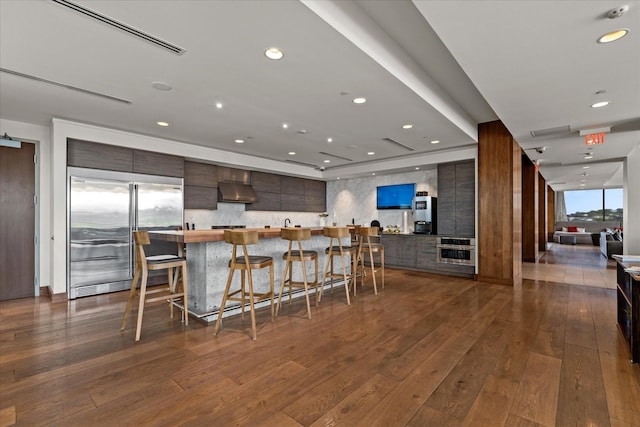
{"x": 428, "y": 350}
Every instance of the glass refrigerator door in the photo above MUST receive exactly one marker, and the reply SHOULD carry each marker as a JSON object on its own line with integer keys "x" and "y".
{"x": 159, "y": 207}
{"x": 99, "y": 231}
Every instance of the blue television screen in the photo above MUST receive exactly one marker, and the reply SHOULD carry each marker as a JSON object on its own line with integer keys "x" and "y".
{"x": 395, "y": 196}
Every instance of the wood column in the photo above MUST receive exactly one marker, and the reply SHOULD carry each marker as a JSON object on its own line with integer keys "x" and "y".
{"x": 529, "y": 210}
{"x": 542, "y": 213}
{"x": 499, "y": 242}
{"x": 551, "y": 213}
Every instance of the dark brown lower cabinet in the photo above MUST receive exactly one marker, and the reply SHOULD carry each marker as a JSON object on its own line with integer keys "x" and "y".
{"x": 419, "y": 252}
{"x": 628, "y": 297}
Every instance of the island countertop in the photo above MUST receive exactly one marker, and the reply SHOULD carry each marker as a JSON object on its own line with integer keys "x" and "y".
{"x": 199, "y": 236}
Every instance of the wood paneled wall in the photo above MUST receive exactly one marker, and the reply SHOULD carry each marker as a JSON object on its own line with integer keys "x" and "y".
{"x": 542, "y": 213}
{"x": 529, "y": 210}
{"x": 499, "y": 243}
{"x": 551, "y": 213}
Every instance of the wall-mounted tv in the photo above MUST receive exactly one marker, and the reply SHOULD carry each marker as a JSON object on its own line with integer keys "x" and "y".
{"x": 397, "y": 196}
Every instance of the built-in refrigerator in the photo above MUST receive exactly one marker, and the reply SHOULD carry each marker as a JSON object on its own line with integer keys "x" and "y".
{"x": 104, "y": 208}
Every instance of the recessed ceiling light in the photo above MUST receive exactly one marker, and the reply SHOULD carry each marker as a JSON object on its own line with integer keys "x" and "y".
{"x": 407, "y": 126}
{"x": 359, "y": 100}
{"x": 588, "y": 157}
{"x": 371, "y": 153}
{"x": 292, "y": 153}
{"x": 435, "y": 141}
{"x": 600, "y": 104}
{"x": 417, "y": 169}
{"x": 218, "y": 105}
{"x": 285, "y": 126}
{"x": 239, "y": 141}
{"x": 613, "y": 35}
{"x": 274, "y": 53}
{"x": 164, "y": 124}
{"x": 585, "y": 174}
{"x": 327, "y": 161}
{"x": 586, "y": 167}
{"x": 338, "y": 178}
{"x": 161, "y": 86}
{"x": 329, "y": 140}
{"x": 582, "y": 185}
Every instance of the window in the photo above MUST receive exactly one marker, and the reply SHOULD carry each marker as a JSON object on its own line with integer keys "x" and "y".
{"x": 613, "y": 204}
{"x": 594, "y": 205}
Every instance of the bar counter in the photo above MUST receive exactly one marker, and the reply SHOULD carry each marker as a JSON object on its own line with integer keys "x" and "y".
{"x": 208, "y": 264}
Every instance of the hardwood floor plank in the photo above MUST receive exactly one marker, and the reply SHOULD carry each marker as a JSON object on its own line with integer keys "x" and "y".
{"x": 351, "y": 410}
{"x": 604, "y": 321}
{"x": 7, "y": 416}
{"x": 537, "y": 396}
{"x": 280, "y": 419}
{"x": 581, "y": 398}
{"x": 580, "y": 328}
{"x": 399, "y": 406}
{"x": 622, "y": 389}
{"x": 456, "y": 394}
{"x": 516, "y": 421}
{"x": 550, "y": 336}
{"x": 427, "y": 416}
{"x": 118, "y": 411}
{"x": 493, "y": 403}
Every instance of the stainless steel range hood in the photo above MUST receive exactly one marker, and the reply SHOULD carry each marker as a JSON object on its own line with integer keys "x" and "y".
{"x": 236, "y": 192}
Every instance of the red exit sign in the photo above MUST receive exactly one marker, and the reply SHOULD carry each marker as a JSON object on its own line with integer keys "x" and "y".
{"x": 594, "y": 138}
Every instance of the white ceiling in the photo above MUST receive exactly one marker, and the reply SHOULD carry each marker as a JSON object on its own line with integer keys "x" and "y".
{"x": 535, "y": 66}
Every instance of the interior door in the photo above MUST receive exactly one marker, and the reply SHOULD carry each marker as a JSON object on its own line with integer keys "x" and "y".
{"x": 17, "y": 222}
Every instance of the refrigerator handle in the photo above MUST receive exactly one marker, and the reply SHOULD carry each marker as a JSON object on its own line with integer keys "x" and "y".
{"x": 133, "y": 221}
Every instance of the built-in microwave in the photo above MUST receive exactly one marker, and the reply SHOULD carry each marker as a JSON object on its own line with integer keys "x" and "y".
{"x": 454, "y": 250}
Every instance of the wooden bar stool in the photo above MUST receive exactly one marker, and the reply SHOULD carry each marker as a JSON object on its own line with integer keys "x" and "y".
{"x": 174, "y": 265}
{"x": 291, "y": 256}
{"x": 338, "y": 233}
{"x": 366, "y": 245}
{"x": 245, "y": 263}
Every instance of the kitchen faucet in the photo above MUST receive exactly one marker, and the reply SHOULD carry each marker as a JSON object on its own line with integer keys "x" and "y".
{"x": 285, "y": 222}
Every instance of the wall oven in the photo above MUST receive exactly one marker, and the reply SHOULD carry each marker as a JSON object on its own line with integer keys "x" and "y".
{"x": 454, "y": 250}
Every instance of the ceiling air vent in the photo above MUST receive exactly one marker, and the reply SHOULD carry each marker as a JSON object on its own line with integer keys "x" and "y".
{"x": 120, "y": 26}
{"x": 64, "y": 85}
{"x": 393, "y": 141}
{"x": 335, "y": 156}
{"x": 301, "y": 163}
{"x": 560, "y": 130}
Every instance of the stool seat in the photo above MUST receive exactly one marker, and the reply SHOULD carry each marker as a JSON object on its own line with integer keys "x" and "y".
{"x": 159, "y": 259}
{"x": 347, "y": 249}
{"x": 297, "y": 255}
{"x": 175, "y": 267}
{"x": 307, "y": 255}
{"x": 245, "y": 263}
{"x": 338, "y": 233}
{"x": 255, "y": 261}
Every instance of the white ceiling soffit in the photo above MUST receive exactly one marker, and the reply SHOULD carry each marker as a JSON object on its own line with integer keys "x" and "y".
{"x": 348, "y": 19}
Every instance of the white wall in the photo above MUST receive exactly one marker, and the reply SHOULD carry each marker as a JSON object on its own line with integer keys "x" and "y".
{"x": 631, "y": 203}
{"x": 41, "y": 136}
{"x": 356, "y": 198}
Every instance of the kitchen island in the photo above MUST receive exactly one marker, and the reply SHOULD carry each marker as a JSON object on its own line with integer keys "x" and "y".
{"x": 208, "y": 265}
